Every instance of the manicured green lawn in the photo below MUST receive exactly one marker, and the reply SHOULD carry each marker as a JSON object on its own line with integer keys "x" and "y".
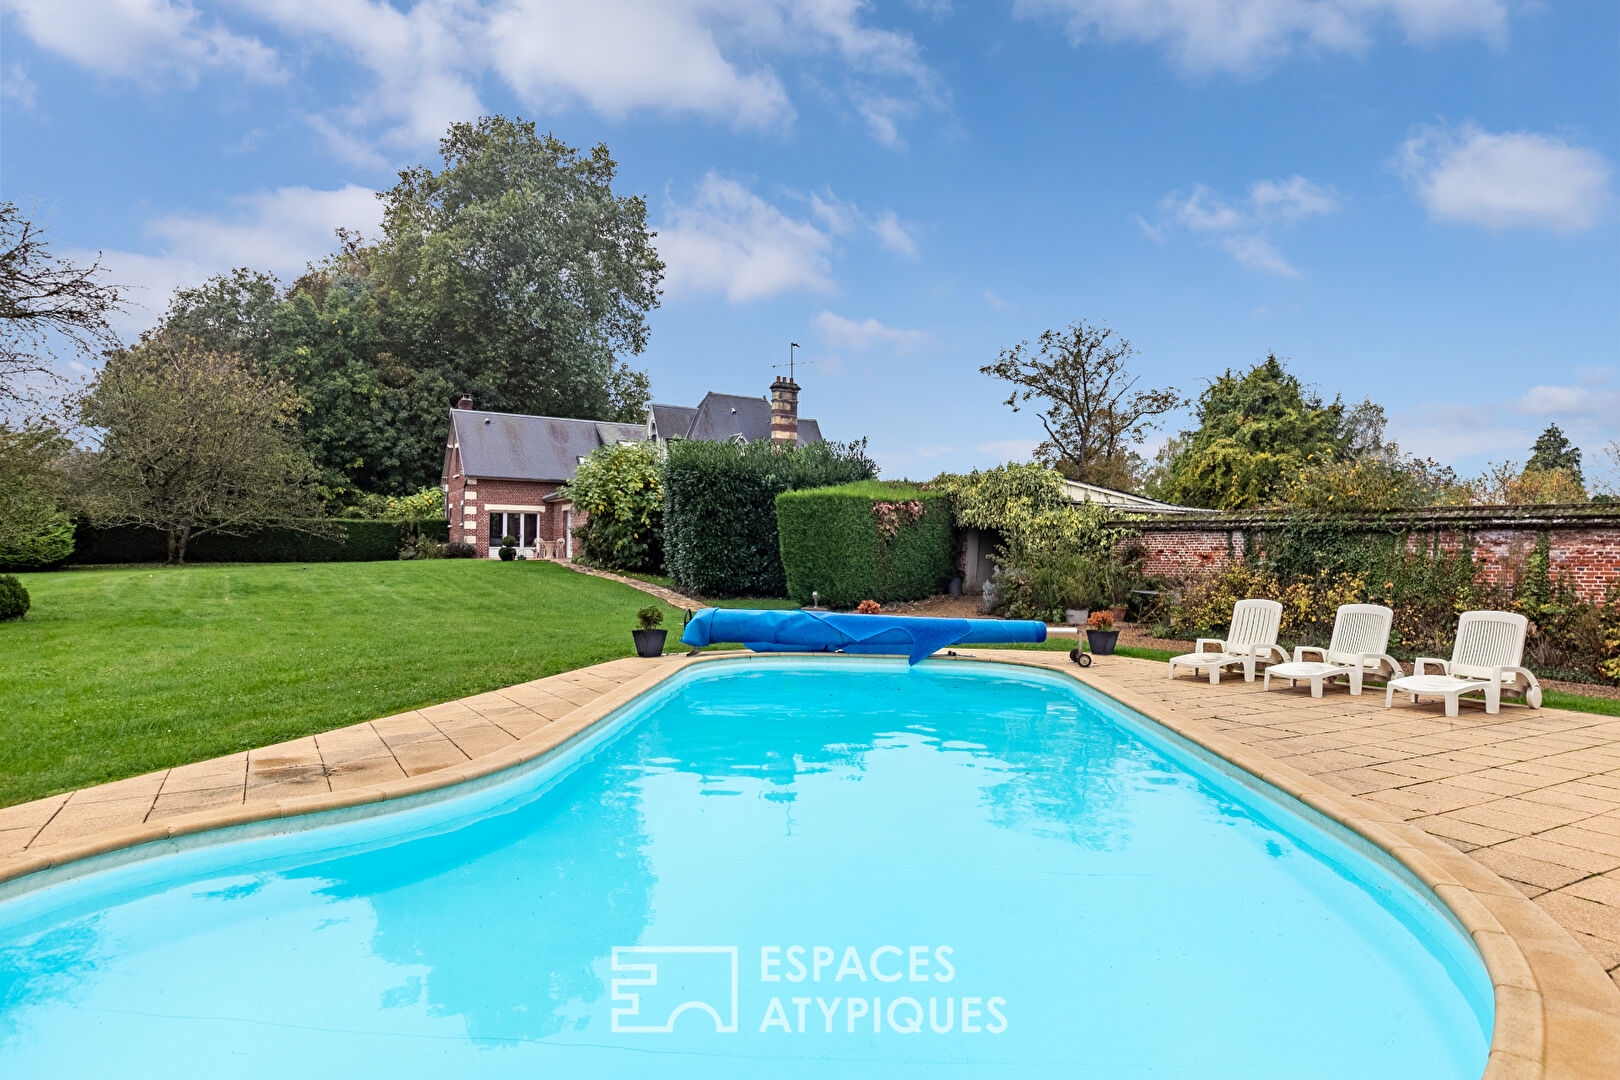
{"x": 767, "y": 603}
{"x": 117, "y": 672}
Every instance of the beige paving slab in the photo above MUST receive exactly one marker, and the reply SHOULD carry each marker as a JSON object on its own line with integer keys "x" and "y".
{"x": 76, "y": 820}
{"x": 355, "y": 773}
{"x": 217, "y": 772}
{"x": 189, "y": 801}
{"x": 33, "y": 814}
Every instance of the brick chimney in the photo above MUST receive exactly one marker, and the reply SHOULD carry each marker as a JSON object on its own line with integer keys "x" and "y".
{"x": 465, "y": 402}
{"x": 785, "y": 412}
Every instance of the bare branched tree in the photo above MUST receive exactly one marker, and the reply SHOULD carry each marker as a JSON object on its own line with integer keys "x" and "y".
{"x": 1086, "y": 400}
{"x": 43, "y": 297}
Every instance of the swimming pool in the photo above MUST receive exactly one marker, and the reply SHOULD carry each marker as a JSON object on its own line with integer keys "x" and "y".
{"x": 773, "y": 867}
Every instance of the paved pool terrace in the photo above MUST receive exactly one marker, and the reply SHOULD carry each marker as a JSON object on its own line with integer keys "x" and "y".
{"x": 1513, "y": 820}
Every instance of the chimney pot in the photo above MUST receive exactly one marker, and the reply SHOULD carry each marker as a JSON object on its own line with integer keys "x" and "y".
{"x": 785, "y": 412}
{"x": 466, "y": 402}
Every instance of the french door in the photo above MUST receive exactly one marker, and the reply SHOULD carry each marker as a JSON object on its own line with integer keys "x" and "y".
{"x": 522, "y": 527}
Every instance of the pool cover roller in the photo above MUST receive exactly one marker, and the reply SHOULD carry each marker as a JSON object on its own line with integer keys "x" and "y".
{"x": 824, "y": 631}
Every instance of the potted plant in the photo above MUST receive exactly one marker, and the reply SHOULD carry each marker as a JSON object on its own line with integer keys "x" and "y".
{"x": 649, "y": 639}
{"x": 508, "y": 548}
{"x": 1100, "y": 633}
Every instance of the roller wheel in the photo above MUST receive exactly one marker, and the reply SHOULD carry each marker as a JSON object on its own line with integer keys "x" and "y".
{"x": 1533, "y": 697}
{"x": 1081, "y": 658}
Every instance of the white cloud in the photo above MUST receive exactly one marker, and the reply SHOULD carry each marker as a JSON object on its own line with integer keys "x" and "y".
{"x": 148, "y": 41}
{"x": 1258, "y": 253}
{"x": 894, "y": 235}
{"x": 422, "y": 62}
{"x": 425, "y": 59}
{"x": 279, "y": 231}
{"x": 890, "y": 460}
{"x": 840, "y": 332}
{"x": 994, "y": 300}
{"x": 729, "y": 240}
{"x": 1246, "y": 35}
{"x": 1448, "y": 431}
{"x": 1504, "y": 180}
{"x": 15, "y": 85}
{"x": 838, "y": 216}
{"x": 883, "y": 115}
{"x": 619, "y": 55}
{"x": 1290, "y": 200}
{"x": 1570, "y": 402}
{"x": 1239, "y": 228}
{"x": 1009, "y": 449}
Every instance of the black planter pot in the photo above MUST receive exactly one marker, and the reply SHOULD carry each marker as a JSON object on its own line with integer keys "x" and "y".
{"x": 651, "y": 642}
{"x": 1102, "y": 641}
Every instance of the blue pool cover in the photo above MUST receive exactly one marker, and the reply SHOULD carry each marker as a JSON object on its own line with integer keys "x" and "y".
{"x": 823, "y": 631}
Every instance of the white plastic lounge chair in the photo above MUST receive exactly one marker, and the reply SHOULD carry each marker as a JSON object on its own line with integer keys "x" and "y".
{"x": 1360, "y": 636}
{"x": 1485, "y": 657}
{"x": 1251, "y": 640}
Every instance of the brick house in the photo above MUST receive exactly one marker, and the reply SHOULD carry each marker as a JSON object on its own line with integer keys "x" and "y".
{"x": 503, "y": 472}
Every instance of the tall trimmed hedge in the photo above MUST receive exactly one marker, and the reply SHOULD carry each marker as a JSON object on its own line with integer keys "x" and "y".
{"x": 837, "y": 541}
{"x": 720, "y": 509}
{"x": 363, "y": 541}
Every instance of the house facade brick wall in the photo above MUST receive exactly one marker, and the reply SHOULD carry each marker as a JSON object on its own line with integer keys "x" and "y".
{"x": 1585, "y": 545}
{"x": 470, "y": 500}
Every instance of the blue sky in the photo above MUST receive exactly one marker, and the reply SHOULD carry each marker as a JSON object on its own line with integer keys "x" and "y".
{"x": 1411, "y": 199}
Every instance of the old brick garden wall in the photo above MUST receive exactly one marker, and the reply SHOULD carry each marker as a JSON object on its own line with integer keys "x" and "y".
{"x": 1583, "y": 541}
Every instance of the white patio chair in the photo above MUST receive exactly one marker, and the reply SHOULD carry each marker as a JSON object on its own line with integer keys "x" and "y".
{"x": 1356, "y": 650}
{"x": 1251, "y": 639}
{"x": 1486, "y": 657}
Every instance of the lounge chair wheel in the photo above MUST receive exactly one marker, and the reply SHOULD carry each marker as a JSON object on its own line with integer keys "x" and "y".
{"x": 1532, "y": 697}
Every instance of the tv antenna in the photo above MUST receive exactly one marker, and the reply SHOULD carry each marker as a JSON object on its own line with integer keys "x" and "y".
{"x": 792, "y": 361}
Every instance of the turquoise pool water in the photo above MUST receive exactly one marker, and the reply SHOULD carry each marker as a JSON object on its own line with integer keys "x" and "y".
{"x": 1020, "y": 870}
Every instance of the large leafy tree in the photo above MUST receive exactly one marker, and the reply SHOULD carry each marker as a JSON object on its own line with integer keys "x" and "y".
{"x": 372, "y": 419}
{"x": 1082, "y": 389}
{"x": 1256, "y": 429}
{"x": 233, "y": 313}
{"x": 192, "y": 441}
{"x": 518, "y": 261}
{"x": 1553, "y": 452}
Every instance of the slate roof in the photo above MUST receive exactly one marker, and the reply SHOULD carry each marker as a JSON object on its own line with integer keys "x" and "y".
{"x": 507, "y": 446}
{"x": 672, "y": 421}
{"x": 720, "y": 417}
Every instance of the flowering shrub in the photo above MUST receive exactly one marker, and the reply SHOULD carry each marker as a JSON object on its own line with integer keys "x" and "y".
{"x": 892, "y": 515}
{"x": 1101, "y": 620}
{"x": 868, "y": 607}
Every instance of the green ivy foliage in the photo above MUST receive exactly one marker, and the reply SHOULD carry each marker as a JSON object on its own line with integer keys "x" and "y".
{"x": 720, "y": 535}
{"x": 837, "y": 541}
